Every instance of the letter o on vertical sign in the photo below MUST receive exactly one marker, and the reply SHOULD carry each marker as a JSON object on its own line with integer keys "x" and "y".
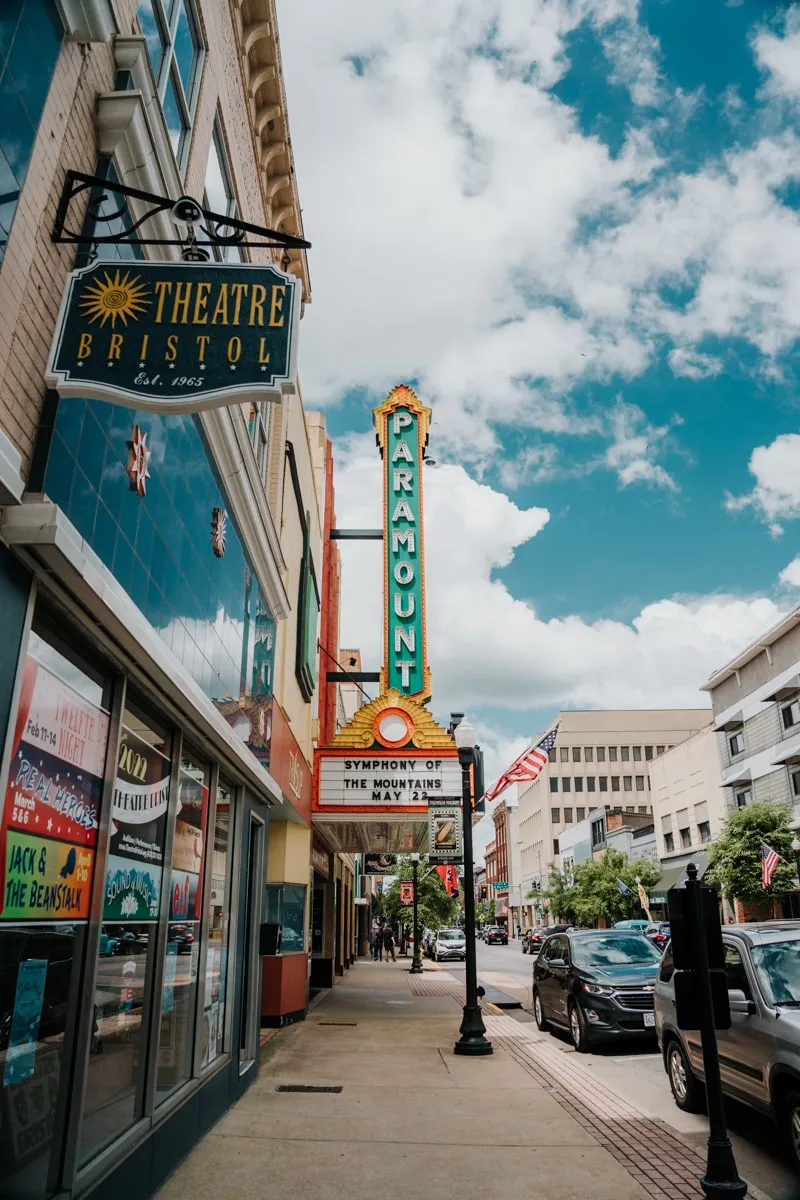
{"x": 403, "y": 572}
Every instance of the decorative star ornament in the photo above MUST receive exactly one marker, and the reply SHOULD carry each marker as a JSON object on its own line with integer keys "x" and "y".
{"x": 138, "y": 458}
{"x": 219, "y": 531}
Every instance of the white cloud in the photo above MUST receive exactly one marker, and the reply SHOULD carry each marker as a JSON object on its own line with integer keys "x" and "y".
{"x": 635, "y": 445}
{"x": 780, "y": 56}
{"x": 692, "y": 364}
{"x": 776, "y": 495}
{"x": 790, "y": 575}
{"x": 489, "y": 648}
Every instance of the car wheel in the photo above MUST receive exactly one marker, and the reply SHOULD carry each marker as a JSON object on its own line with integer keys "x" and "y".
{"x": 789, "y": 1116}
{"x": 686, "y": 1090}
{"x": 577, "y": 1028}
{"x": 542, "y": 1023}
{"x": 524, "y": 948}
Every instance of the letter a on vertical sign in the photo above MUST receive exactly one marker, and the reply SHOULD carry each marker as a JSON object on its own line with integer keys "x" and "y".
{"x": 402, "y": 423}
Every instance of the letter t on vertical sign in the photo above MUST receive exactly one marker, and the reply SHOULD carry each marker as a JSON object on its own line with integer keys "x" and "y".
{"x": 402, "y": 424}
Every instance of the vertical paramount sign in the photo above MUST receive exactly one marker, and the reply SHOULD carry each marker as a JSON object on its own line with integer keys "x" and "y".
{"x": 401, "y": 423}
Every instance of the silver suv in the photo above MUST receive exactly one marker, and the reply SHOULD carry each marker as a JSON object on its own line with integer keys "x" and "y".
{"x": 449, "y": 944}
{"x": 760, "y": 1054}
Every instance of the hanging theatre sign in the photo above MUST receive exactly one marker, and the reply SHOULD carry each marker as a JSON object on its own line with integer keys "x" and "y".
{"x": 176, "y": 336}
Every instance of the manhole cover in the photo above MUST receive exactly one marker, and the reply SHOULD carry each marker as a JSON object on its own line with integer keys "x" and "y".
{"x": 306, "y": 1087}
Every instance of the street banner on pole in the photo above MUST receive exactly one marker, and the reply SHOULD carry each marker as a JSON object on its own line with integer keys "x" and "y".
{"x": 444, "y": 832}
{"x": 406, "y": 892}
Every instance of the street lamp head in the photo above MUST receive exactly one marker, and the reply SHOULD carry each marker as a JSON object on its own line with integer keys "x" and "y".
{"x": 465, "y": 734}
{"x": 414, "y": 858}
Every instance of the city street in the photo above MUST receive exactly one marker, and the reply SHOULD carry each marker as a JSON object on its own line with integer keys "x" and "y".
{"x": 637, "y": 1076}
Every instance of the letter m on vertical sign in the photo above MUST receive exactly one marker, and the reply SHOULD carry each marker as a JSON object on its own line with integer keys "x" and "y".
{"x": 402, "y": 424}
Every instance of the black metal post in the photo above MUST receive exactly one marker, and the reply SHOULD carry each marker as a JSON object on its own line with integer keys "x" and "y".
{"x": 473, "y": 1038}
{"x": 416, "y": 961}
{"x": 721, "y": 1178}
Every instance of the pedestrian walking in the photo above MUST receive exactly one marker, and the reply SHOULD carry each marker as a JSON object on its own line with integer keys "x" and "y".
{"x": 379, "y": 943}
{"x": 373, "y": 941}
{"x": 388, "y": 942}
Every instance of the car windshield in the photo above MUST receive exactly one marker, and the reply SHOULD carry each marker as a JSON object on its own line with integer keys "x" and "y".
{"x": 614, "y": 951}
{"x": 450, "y": 935}
{"x": 778, "y": 967}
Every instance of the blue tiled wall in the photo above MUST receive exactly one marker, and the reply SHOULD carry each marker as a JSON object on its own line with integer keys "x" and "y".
{"x": 208, "y": 610}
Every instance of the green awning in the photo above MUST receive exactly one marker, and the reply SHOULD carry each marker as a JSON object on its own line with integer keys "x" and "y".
{"x": 673, "y": 875}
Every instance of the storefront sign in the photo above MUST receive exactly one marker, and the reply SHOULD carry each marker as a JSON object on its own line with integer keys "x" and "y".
{"x": 444, "y": 831}
{"x": 138, "y": 828}
{"x": 52, "y": 801}
{"x": 385, "y": 781}
{"x": 176, "y": 337}
{"x": 402, "y": 424}
{"x": 379, "y": 864}
{"x": 406, "y": 893}
{"x": 287, "y": 764}
{"x": 321, "y": 862}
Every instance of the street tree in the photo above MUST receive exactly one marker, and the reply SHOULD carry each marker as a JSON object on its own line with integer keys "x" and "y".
{"x": 560, "y": 895}
{"x": 436, "y": 909}
{"x": 605, "y": 888}
{"x": 735, "y": 856}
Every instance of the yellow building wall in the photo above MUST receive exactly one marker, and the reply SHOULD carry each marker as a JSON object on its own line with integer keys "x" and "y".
{"x": 289, "y": 853}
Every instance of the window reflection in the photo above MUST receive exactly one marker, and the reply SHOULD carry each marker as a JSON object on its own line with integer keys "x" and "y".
{"x": 217, "y": 932}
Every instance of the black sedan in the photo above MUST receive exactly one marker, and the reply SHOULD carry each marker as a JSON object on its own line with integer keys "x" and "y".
{"x": 598, "y": 984}
{"x": 496, "y": 936}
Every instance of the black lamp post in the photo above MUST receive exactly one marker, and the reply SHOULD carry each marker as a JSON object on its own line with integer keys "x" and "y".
{"x": 416, "y": 961}
{"x": 473, "y": 1038}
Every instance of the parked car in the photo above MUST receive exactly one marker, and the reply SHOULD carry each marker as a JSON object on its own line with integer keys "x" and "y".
{"x": 449, "y": 944}
{"x": 496, "y": 935}
{"x": 532, "y": 940}
{"x": 636, "y": 923}
{"x": 658, "y": 933}
{"x": 760, "y": 1054}
{"x": 596, "y": 983}
{"x": 427, "y": 942}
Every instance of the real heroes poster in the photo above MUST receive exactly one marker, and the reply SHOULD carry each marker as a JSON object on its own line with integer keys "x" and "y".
{"x": 51, "y": 806}
{"x": 138, "y": 826}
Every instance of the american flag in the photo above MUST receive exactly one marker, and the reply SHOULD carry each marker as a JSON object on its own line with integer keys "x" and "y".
{"x": 526, "y": 768}
{"x": 769, "y": 861}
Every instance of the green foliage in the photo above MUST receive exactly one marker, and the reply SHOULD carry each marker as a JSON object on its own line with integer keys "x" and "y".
{"x": 436, "y": 909}
{"x": 735, "y": 856}
{"x": 593, "y": 893}
{"x": 485, "y": 912}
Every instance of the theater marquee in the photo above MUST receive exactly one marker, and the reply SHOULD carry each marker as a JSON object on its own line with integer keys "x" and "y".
{"x": 176, "y": 337}
{"x": 386, "y": 782}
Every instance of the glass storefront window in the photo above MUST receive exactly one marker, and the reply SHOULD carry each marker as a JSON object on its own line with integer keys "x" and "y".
{"x": 114, "y": 1090}
{"x": 182, "y": 950}
{"x": 285, "y": 905}
{"x": 217, "y": 931}
{"x": 48, "y": 836}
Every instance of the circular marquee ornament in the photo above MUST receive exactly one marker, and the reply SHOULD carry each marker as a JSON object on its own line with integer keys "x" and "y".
{"x": 393, "y": 728}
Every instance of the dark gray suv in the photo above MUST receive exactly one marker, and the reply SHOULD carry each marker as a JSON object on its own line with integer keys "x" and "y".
{"x": 760, "y": 1053}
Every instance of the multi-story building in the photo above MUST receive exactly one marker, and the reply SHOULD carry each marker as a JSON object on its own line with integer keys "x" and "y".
{"x": 500, "y": 858}
{"x": 159, "y": 585}
{"x": 755, "y": 702}
{"x": 601, "y": 758}
{"x": 492, "y": 877}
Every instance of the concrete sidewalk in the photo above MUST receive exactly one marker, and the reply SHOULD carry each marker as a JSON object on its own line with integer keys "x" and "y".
{"x": 414, "y": 1120}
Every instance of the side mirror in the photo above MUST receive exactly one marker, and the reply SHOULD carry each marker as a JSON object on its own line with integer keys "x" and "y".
{"x": 740, "y": 1004}
{"x": 557, "y": 962}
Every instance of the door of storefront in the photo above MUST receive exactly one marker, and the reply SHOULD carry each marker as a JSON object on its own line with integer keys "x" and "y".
{"x": 253, "y": 861}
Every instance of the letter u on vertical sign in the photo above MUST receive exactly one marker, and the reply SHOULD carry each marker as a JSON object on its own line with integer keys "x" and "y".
{"x": 402, "y": 424}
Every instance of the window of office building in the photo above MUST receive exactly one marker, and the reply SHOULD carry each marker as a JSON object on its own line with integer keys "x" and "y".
{"x": 625, "y": 753}
{"x": 564, "y": 752}
{"x": 743, "y": 797}
{"x": 182, "y": 949}
{"x": 580, "y": 814}
{"x": 643, "y": 808}
{"x": 659, "y": 750}
{"x": 637, "y": 753}
{"x": 601, "y": 754}
{"x": 603, "y": 783}
{"x": 615, "y": 783}
{"x": 31, "y": 33}
{"x": 627, "y": 783}
{"x": 640, "y": 783}
{"x": 669, "y": 843}
{"x": 590, "y": 783}
{"x": 648, "y": 753}
{"x": 795, "y": 778}
{"x": 576, "y": 754}
{"x": 176, "y": 56}
{"x": 578, "y": 783}
{"x": 736, "y": 743}
{"x": 551, "y": 755}
{"x": 612, "y": 753}
{"x": 598, "y": 833}
{"x": 566, "y": 784}
{"x": 704, "y": 830}
{"x": 567, "y": 816}
{"x": 555, "y": 815}
{"x": 220, "y": 196}
{"x": 790, "y": 714}
{"x": 553, "y": 784}
{"x": 588, "y": 754}
{"x": 686, "y": 837}
{"x": 555, "y": 846}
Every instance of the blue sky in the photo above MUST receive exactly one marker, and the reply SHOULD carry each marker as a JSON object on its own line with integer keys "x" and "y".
{"x": 574, "y": 227}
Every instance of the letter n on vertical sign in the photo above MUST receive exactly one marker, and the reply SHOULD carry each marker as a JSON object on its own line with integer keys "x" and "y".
{"x": 402, "y": 424}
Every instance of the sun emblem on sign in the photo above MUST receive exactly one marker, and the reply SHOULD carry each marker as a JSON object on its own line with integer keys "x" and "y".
{"x": 219, "y": 531}
{"x": 121, "y": 297}
{"x": 138, "y": 458}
